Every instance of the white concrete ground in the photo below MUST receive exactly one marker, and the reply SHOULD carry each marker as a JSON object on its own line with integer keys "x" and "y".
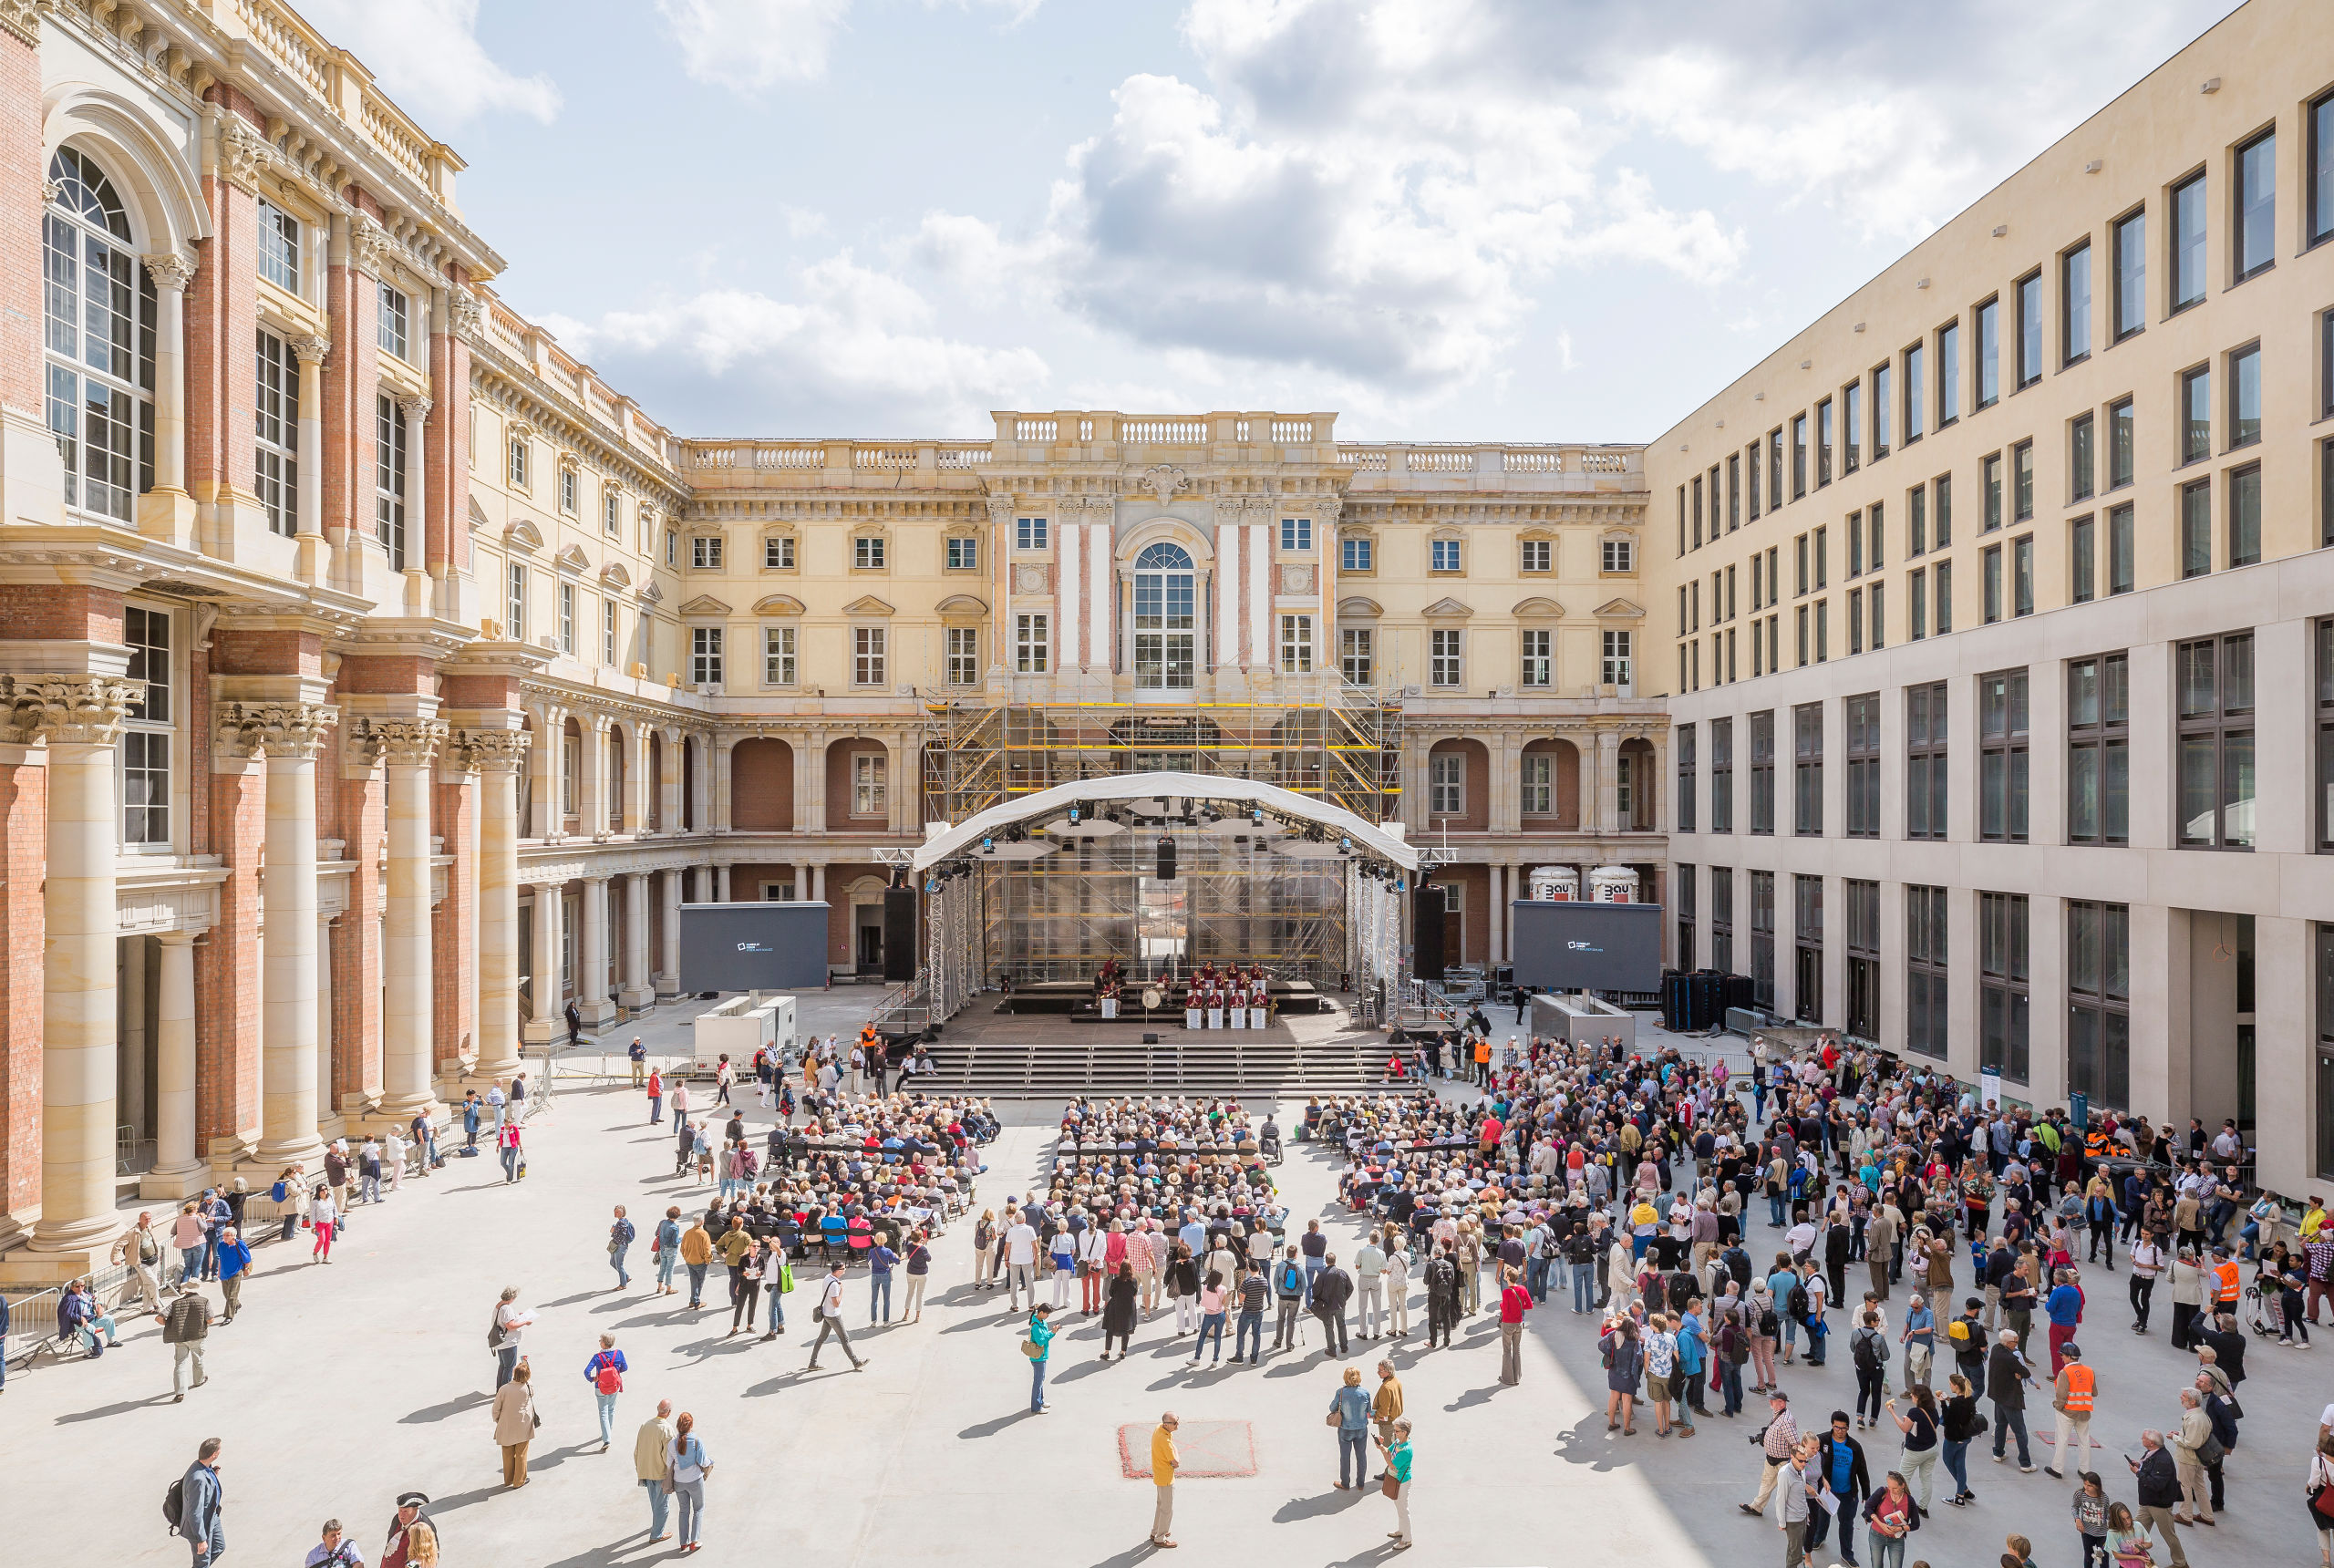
{"x": 340, "y": 1387}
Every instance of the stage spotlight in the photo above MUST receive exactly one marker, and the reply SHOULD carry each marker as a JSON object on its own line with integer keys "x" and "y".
{"x": 989, "y": 846}
{"x": 1397, "y": 884}
{"x": 1344, "y": 845}
{"x": 932, "y": 885}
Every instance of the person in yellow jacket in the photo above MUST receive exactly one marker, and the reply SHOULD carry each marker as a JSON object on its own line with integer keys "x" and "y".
{"x": 1164, "y": 1461}
{"x": 697, "y": 1252}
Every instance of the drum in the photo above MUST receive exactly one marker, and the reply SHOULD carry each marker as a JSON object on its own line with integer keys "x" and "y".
{"x": 1151, "y": 999}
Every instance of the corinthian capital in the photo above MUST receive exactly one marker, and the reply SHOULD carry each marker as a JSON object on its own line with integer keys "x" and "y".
{"x": 292, "y": 729}
{"x": 494, "y": 751}
{"x": 311, "y": 349}
{"x": 469, "y": 318}
{"x": 169, "y": 270}
{"x": 65, "y": 710}
{"x": 406, "y": 742}
{"x": 415, "y": 408}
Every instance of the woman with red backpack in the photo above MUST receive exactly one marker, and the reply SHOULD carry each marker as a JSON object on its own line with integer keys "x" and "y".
{"x": 605, "y": 1372}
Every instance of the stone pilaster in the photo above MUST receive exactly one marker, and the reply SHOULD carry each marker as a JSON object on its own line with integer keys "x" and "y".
{"x": 501, "y": 756}
{"x": 409, "y": 749}
{"x": 668, "y": 980}
{"x": 177, "y": 1171}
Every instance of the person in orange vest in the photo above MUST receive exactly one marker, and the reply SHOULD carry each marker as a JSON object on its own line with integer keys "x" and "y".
{"x": 1484, "y": 1060}
{"x": 2225, "y": 1271}
{"x": 2078, "y": 1391}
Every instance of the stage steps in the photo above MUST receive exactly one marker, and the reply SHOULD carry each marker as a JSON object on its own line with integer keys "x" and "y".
{"x": 1173, "y": 1066}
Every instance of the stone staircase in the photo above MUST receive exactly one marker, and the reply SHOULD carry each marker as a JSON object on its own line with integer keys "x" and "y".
{"x": 1061, "y": 1070}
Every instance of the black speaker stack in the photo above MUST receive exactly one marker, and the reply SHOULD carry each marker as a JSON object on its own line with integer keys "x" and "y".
{"x": 1426, "y": 934}
{"x": 899, "y": 934}
{"x": 1693, "y": 1002}
{"x": 1166, "y": 858}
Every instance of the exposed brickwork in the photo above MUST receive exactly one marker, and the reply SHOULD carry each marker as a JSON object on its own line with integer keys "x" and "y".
{"x": 453, "y": 930}
{"x": 227, "y": 968}
{"x": 839, "y": 781}
{"x": 472, "y": 690}
{"x": 355, "y": 945}
{"x": 761, "y": 786}
{"x": 448, "y": 457}
{"x": 385, "y": 675}
{"x": 23, "y": 836}
{"x": 22, "y": 169}
{"x": 839, "y": 935}
{"x": 270, "y": 653}
{"x": 351, "y": 383}
{"x": 746, "y": 881}
{"x": 222, "y": 327}
{"x": 49, "y": 613}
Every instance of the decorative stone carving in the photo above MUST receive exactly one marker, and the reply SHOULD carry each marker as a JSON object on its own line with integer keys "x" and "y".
{"x": 67, "y": 710}
{"x": 1028, "y": 579}
{"x": 50, "y": 190}
{"x": 469, "y": 318}
{"x": 1296, "y": 579}
{"x": 1000, "y": 512}
{"x": 21, "y": 20}
{"x": 494, "y": 751}
{"x": 368, "y": 244}
{"x": 415, "y": 408}
{"x": 406, "y": 742}
{"x": 1324, "y": 513}
{"x": 169, "y": 270}
{"x": 275, "y": 729}
{"x": 311, "y": 349}
{"x": 242, "y": 153}
{"x": 1163, "y": 480}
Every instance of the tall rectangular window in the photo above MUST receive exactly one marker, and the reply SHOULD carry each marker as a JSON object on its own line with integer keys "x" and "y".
{"x": 2083, "y": 473}
{"x": 1917, "y": 604}
{"x": 1296, "y": 645}
{"x": 870, "y": 649}
{"x": 1863, "y": 960}
{"x": 514, "y": 602}
{"x": 2244, "y": 515}
{"x": 1443, "y": 665}
{"x": 2187, "y": 243}
{"x": 1722, "y": 920}
{"x": 392, "y": 320}
{"x": 389, "y": 480}
{"x": 705, "y": 656}
{"x": 2022, "y": 576}
{"x": 2319, "y": 175}
{"x": 1880, "y": 410}
{"x": 1762, "y": 772}
{"x": 705, "y": 552}
{"x": 1925, "y": 1008}
{"x": 1447, "y": 784}
{"x": 1876, "y": 607}
{"x": 1852, "y": 428}
{"x": 1944, "y": 597}
{"x": 1539, "y": 554}
{"x": 2021, "y": 482}
{"x": 2322, "y": 1100}
{"x": 2215, "y": 766}
{"x": 2004, "y": 1009}
{"x": 1538, "y": 772}
{"x": 779, "y": 668}
{"x": 1925, "y": 760}
{"x": 867, "y": 553}
{"x": 2196, "y": 415}
{"x": 2131, "y": 242}
{"x": 964, "y": 554}
{"x": 1915, "y": 386}
{"x": 963, "y": 656}
{"x": 778, "y": 553}
{"x": 2253, "y": 230}
{"x": 2083, "y": 561}
{"x": 1948, "y": 374}
{"x": 1990, "y": 352}
{"x": 608, "y": 632}
{"x": 1855, "y": 619}
{"x": 2324, "y": 632}
{"x": 1032, "y": 644}
{"x": 2099, "y": 1002}
{"x": 1807, "y": 769}
{"x": 1354, "y": 661}
{"x": 2196, "y": 529}
{"x": 2123, "y": 452}
{"x": 147, "y": 728}
{"x": 279, "y": 246}
{"x": 1824, "y": 433}
{"x": 1862, "y": 724}
{"x": 1775, "y": 469}
{"x": 870, "y": 784}
{"x": 2074, "y": 304}
{"x": 1762, "y": 938}
{"x": 1733, "y": 492}
{"x": 1619, "y": 665}
{"x": 1688, "y": 916}
{"x": 1539, "y": 657}
{"x": 567, "y": 618}
{"x": 2245, "y": 396}
{"x": 1723, "y": 766}
{"x": 1989, "y": 473}
{"x": 2002, "y": 757}
{"x": 1685, "y": 748}
{"x": 275, "y": 429}
{"x": 2029, "y": 330}
{"x": 1990, "y": 588}
{"x": 1941, "y": 509}
{"x": 1750, "y": 476}
{"x": 1798, "y": 456}
{"x": 1916, "y": 522}
{"x": 1807, "y": 934}
{"x": 1029, "y": 534}
{"x": 2099, "y": 750}
{"x": 1297, "y": 534}
{"x": 2123, "y": 551}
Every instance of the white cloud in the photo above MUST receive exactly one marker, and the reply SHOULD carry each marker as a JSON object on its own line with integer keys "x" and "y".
{"x": 747, "y": 45}
{"x": 847, "y": 343}
{"x": 427, "y": 56}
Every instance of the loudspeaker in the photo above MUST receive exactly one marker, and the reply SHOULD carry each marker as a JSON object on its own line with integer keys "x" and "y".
{"x": 1151, "y": 1039}
{"x": 1166, "y": 858}
{"x": 899, "y": 934}
{"x": 1426, "y": 934}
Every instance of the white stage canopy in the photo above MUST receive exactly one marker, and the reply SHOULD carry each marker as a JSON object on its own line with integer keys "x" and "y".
{"x": 942, "y": 840}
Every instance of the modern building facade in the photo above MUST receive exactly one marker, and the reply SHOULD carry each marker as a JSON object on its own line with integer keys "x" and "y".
{"x": 2001, "y": 665}
{"x": 376, "y": 681}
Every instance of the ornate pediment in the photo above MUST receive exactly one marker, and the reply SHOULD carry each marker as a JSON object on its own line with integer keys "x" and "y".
{"x": 1619, "y": 609}
{"x": 705, "y": 605}
{"x": 615, "y": 575}
{"x": 1446, "y": 609}
{"x": 650, "y": 593}
{"x": 867, "y": 605}
{"x": 1537, "y": 608}
{"x": 477, "y": 515}
{"x": 779, "y": 605}
{"x": 521, "y": 534}
{"x": 962, "y": 606}
{"x": 573, "y": 559}
{"x": 1359, "y": 608}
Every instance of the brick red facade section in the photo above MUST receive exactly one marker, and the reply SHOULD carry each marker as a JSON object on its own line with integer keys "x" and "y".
{"x": 467, "y": 689}
{"x": 356, "y": 946}
{"x": 24, "y": 842}
{"x": 22, "y": 170}
{"x": 453, "y": 931}
{"x": 226, "y": 967}
{"x": 842, "y": 940}
{"x": 51, "y": 612}
{"x": 269, "y": 653}
{"x": 385, "y": 675}
{"x": 761, "y": 786}
{"x": 222, "y": 334}
{"x": 447, "y": 460}
{"x": 351, "y": 383}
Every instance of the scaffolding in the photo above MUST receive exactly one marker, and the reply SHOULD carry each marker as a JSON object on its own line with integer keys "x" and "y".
{"x": 1315, "y": 734}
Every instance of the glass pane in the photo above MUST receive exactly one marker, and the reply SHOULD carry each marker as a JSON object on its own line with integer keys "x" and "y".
{"x": 2083, "y": 794}
{"x": 2196, "y": 679}
{"x": 2083, "y": 1051}
{"x": 2196, "y": 789}
{"x": 2082, "y": 947}
{"x": 2115, "y": 793}
{"x": 2237, "y": 791}
{"x": 2236, "y": 675}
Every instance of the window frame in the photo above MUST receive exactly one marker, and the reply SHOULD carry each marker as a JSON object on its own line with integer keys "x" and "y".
{"x": 2128, "y": 266}
{"x": 1860, "y": 719}
{"x": 705, "y": 652}
{"x": 2074, "y": 306}
{"x": 1537, "y": 645}
{"x": 2102, "y": 738}
{"x": 1032, "y": 641}
{"x": 2005, "y": 758}
{"x": 1446, "y": 658}
{"x": 1722, "y": 774}
{"x": 871, "y": 657}
{"x": 145, "y": 766}
{"x": 2239, "y": 213}
{"x": 1928, "y": 984}
{"x": 1927, "y": 761}
{"x": 2229, "y": 730}
{"x": 1762, "y": 773}
{"x": 781, "y": 656}
{"x": 2005, "y": 975}
{"x": 2099, "y": 1073}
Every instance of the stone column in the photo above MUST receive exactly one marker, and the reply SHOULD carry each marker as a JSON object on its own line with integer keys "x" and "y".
{"x": 501, "y": 756}
{"x": 1609, "y": 781}
{"x": 636, "y": 782}
{"x": 315, "y": 560}
{"x": 592, "y": 987}
{"x": 668, "y": 981}
{"x": 718, "y": 758}
{"x": 409, "y": 1007}
{"x": 288, "y": 735}
{"x": 550, "y": 732}
{"x": 810, "y": 776}
{"x": 818, "y": 884}
{"x": 550, "y": 982}
{"x": 636, "y": 991}
{"x": 1659, "y": 785}
{"x": 592, "y": 777}
{"x": 668, "y": 783}
{"x": 1494, "y": 927}
{"x": 721, "y": 884}
{"x": 329, "y": 1122}
{"x": 176, "y": 1170}
{"x": 416, "y": 492}
{"x": 167, "y": 511}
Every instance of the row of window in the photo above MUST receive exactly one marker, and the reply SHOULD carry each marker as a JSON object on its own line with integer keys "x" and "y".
{"x": 1831, "y": 439}
{"x": 519, "y": 469}
{"x": 2213, "y": 754}
{"x": 2098, "y": 992}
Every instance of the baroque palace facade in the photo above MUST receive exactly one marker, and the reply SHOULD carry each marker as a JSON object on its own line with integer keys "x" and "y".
{"x": 375, "y": 681}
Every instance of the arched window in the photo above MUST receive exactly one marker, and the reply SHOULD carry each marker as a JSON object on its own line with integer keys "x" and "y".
{"x": 99, "y": 309}
{"x": 1163, "y": 640}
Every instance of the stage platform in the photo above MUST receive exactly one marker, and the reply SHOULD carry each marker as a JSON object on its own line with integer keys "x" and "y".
{"x": 1051, "y": 1055}
{"x": 1076, "y": 998}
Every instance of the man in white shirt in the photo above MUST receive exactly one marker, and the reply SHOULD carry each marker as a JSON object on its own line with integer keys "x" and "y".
{"x": 1368, "y": 1271}
{"x": 1020, "y": 1262}
{"x": 829, "y": 1313}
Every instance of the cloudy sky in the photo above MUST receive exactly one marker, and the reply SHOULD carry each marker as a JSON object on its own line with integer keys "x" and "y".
{"x": 1518, "y": 220}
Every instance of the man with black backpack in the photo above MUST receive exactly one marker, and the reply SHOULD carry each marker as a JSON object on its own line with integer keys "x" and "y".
{"x": 195, "y": 1506}
{"x": 1288, "y": 1291}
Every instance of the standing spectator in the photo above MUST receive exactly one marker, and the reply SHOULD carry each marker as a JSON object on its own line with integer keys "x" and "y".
{"x": 652, "y": 1463}
{"x": 202, "y": 1505}
{"x": 1250, "y": 1332}
{"x": 2194, "y": 1448}
{"x": 2076, "y": 1391}
{"x": 185, "y": 1328}
{"x": 1796, "y": 1500}
{"x": 1020, "y": 1262}
{"x": 880, "y": 1261}
{"x": 1332, "y": 1288}
{"x": 2064, "y": 1308}
{"x": 1397, "y": 1449}
{"x": 605, "y": 1372}
{"x": 1037, "y": 1346}
{"x": 2190, "y": 1285}
{"x": 1119, "y": 1312}
{"x": 919, "y": 1271}
{"x": 2319, "y": 1489}
{"x": 639, "y": 1057}
{"x": 290, "y": 1195}
{"x": 394, "y": 1149}
{"x": 1386, "y": 1405}
{"x": 1958, "y": 1421}
{"x": 655, "y": 1098}
{"x": 412, "y": 1539}
{"x": 1840, "y": 1471}
{"x": 1624, "y": 1367}
{"x": 676, "y": 1089}
{"x": 829, "y": 1312}
{"x": 2159, "y": 1487}
{"x": 2007, "y": 1378}
{"x": 1891, "y": 1514}
{"x": 511, "y": 1321}
{"x": 515, "y": 1159}
{"x": 324, "y": 1221}
{"x": 139, "y": 1253}
{"x": 1514, "y": 1301}
{"x": 1288, "y": 1291}
{"x": 472, "y": 1109}
{"x": 1350, "y": 1405}
{"x": 620, "y": 1239}
{"x": 234, "y": 1266}
{"x": 186, "y": 1239}
{"x": 2091, "y": 1504}
{"x": 1369, "y": 1278}
{"x": 724, "y": 1075}
{"x": 665, "y": 1249}
{"x": 1868, "y": 1353}
{"x": 368, "y": 1171}
{"x": 1777, "y": 1445}
{"x": 2146, "y": 1258}
{"x": 495, "y": 1104}
{"x": 1213, "y": 1301}
{"x": 697, "y": 1252}
{"x": 519, "y": 1096}
{"x": 1920, "y": 1434}
{"x": 1163, "y": 1461}
{"x": 574, "y": 1023}
{"x": 1441, "y": 1298}
{"x": 514, "y": 1423}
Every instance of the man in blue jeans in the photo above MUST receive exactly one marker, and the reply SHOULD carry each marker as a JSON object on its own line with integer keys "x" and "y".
{"x": 1315, "y": 1246}
{"x": 2006, "y": 1376}
{"x": 1350, "y": 1405}
{"x": 880, "y": 1263}
{"x": 1254, "y": 1293}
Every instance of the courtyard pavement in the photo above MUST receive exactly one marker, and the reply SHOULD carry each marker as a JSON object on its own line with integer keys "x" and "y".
{"x": 340, "y": 1387}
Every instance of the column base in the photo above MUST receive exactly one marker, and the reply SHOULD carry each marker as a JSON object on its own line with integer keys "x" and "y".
{"x": 174, "y": 1182}
{"x": 24, "y": 1269}
{"x": 667, "y": 987}
{"x": 539, "y": 1032}
{"x": 637, "y": 997}
{"x": 598, "y": 1012}
{"x": 275, "y": 1154}
{"x": 398, "y": 1113}
{"x": 62, "y": 1238}
{"x": 168, "y": 515}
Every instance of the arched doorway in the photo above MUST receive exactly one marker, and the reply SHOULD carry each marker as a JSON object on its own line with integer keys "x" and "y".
{"x": 1165, "y": 652}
